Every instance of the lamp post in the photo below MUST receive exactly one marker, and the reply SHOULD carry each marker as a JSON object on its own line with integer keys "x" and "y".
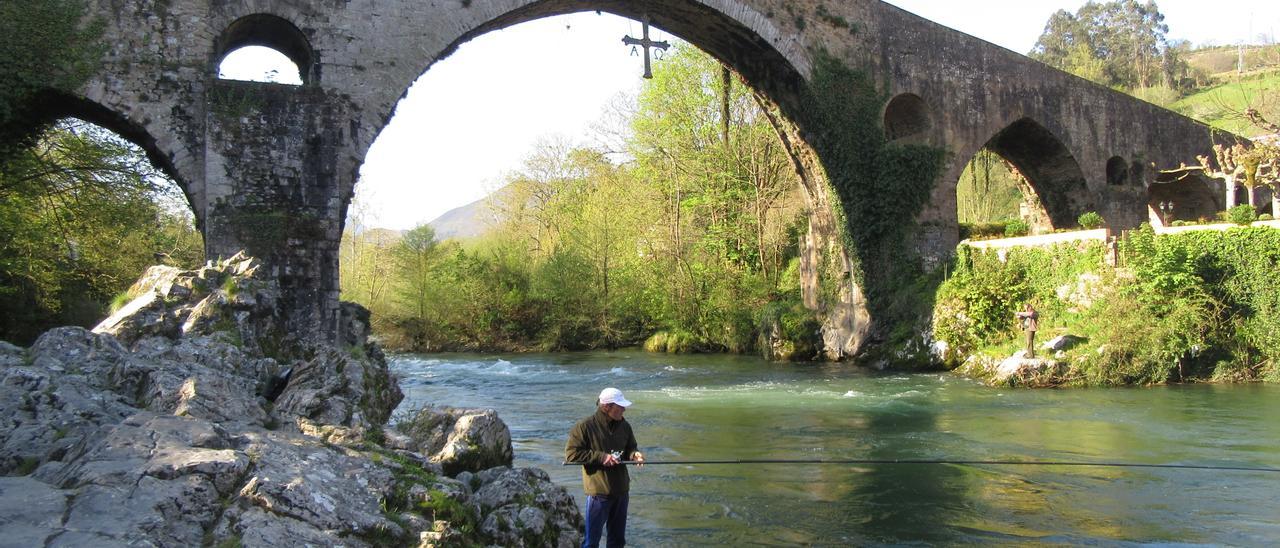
{"x": 1166, "y": 210}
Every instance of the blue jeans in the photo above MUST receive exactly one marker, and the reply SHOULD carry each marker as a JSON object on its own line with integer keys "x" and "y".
{"x": 606, "y": 511}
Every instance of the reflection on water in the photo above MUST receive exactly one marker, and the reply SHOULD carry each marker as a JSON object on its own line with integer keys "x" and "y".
{"x": 731, "y": 407}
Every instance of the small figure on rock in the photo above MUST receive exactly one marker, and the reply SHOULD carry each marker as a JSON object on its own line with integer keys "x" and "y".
{"x": 603, "y": 443}
{"x": 1030, "y": 323}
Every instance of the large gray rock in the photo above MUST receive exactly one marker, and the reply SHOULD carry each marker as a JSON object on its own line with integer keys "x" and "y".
{"x": 340, "y": 388}
{"x": 228, "y": 296}
{"x": 56, "y": 394}
{"x": 30, "y": 511}
{"x": 205, "y": 377}
{"x": 171, "y": 440}
{"x": 522, "y": 507}
{"x": 1018, "y": 370}
{"x": 152, "y": 478}
{"x": 460, "y": 439}
{"x": 334, "y": 490}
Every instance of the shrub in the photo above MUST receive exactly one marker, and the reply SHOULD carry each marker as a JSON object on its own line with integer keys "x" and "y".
{"x": 672, "y": 342}
{"x": 1265, "y": 217}
{"x": 981, "y": 231}
{"x": 1016, "y": 227}
{"x": 122, "y": 298}
{"x": 1090, "y": 220}
{"x": 1242, "y": 214}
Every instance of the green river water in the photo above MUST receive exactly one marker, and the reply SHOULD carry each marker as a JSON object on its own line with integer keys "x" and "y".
{"x": 731, "y": 407}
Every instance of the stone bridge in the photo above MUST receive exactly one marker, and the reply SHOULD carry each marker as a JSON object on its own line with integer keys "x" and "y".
{"x": 271, "y": 168}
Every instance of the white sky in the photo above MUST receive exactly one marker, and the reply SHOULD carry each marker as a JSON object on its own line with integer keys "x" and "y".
{"x": 473, "y": 117}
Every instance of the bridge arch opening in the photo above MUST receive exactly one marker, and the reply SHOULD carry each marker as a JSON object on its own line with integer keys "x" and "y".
{"x": 681, "y": 197}
{"x": 259, "y": 64}
{"x": 1186, "y": 196}
{"x": 906, "y": 117}
{"x": 251, "y": 47}
{"x": 87, "y": 211}
{"x": 1051, "y": 171}
{"x": 1117, "y": 171}
{"x": 51, "y": 108}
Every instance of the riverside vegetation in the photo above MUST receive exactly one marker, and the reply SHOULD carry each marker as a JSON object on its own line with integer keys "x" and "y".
{"x": 1195, "y": 306}
{"x": 684, "y": 242}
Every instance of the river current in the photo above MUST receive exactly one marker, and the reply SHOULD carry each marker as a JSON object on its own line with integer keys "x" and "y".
{"x": 733, "y": 407}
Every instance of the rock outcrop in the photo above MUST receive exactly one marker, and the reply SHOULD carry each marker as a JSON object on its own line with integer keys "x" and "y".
{"x": 189, "y": 419}
{"x": 460, "y": 440}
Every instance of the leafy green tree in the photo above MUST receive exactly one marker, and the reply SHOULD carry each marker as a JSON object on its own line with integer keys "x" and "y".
{"x": 82, "y": 213}
{"x": 1128, "y": 37}
{"x": 987, "y": 190}
{"x": 727, "y": 192}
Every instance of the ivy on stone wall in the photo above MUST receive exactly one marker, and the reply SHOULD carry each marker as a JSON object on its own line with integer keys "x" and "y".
{"x": 44, "y": 46}
{"x": 882, "y": 186}
{"x": 264, "y": 230}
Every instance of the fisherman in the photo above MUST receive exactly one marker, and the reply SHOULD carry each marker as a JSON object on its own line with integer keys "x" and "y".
{"x": 602, "y": 442}
{"x": 1030, "y": 320}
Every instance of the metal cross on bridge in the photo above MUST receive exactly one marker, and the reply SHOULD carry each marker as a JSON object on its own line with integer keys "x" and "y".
{"x": 645, "y": 43}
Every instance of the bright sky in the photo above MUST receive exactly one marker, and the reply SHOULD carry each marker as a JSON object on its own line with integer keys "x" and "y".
{"x": 473, "y": 117}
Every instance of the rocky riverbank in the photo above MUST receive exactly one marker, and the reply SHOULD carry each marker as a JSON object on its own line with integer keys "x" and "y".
{"x": 188, "y": 418}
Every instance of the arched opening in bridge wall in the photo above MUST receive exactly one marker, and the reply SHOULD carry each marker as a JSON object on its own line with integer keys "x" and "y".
{"x": 1053, "y": 178}
{"x": 907, "y": 118}
{"x": 1186, "y": 196}
{"x": 265, "y": 48}
{"x": 994, "y": 199}
{"x": 52, "y": 107}
{"x": 735, "y": 44}
{"x": 1117, "y": 171}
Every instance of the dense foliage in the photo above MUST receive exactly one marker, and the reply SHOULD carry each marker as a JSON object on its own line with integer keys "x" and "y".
{"x": 44, "y": 47}
{"x": 685, "y": 242}
{"x": 988, "y": 190}
{"x": 1193, "y": 306}
{"x": 82, "y": 214}
{"x": 1121, "y": 44}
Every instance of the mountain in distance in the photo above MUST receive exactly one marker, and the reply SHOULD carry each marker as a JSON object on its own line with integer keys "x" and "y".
{"x": 467, "y": 221}
{"x": 382, "y": 237}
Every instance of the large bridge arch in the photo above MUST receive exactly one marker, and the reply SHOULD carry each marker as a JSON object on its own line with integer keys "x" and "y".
{"x": 50, "y": 106}
{"x": 753, "y": 46}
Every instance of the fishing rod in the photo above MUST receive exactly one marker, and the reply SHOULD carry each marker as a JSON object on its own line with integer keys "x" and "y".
{"x": 946, "y": 461}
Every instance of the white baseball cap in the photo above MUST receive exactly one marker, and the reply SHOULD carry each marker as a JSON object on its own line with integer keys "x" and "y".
{"x": 613, "y": 395}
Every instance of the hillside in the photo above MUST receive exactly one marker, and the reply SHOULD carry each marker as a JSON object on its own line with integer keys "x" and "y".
{"x": 1220, "y": 106}
{"x": 467, "y": 221}
{"x": 1222, "y": 103}
{"x": 1226, "y": 59}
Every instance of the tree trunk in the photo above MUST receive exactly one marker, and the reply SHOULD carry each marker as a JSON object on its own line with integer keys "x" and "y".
{"x": 727, "y": 82}
{"x": 1275, "y": 202}
{"x": 1230, "y": 183}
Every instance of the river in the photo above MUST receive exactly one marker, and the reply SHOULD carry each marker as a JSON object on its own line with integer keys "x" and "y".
{"x": 734, "y": 407}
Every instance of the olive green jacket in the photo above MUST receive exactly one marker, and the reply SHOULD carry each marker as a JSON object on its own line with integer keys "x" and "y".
{"x": 589, "y": 441}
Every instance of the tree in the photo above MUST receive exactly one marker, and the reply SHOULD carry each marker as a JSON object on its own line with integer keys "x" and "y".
{"x": 82, "y": 213}
{"x": 366, "y": 266}
{"x": 1126, "y": 36}
{"x": 987, "y": 190}
{"x": 415, "y": 256}
{"x": 727, "y": 192}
